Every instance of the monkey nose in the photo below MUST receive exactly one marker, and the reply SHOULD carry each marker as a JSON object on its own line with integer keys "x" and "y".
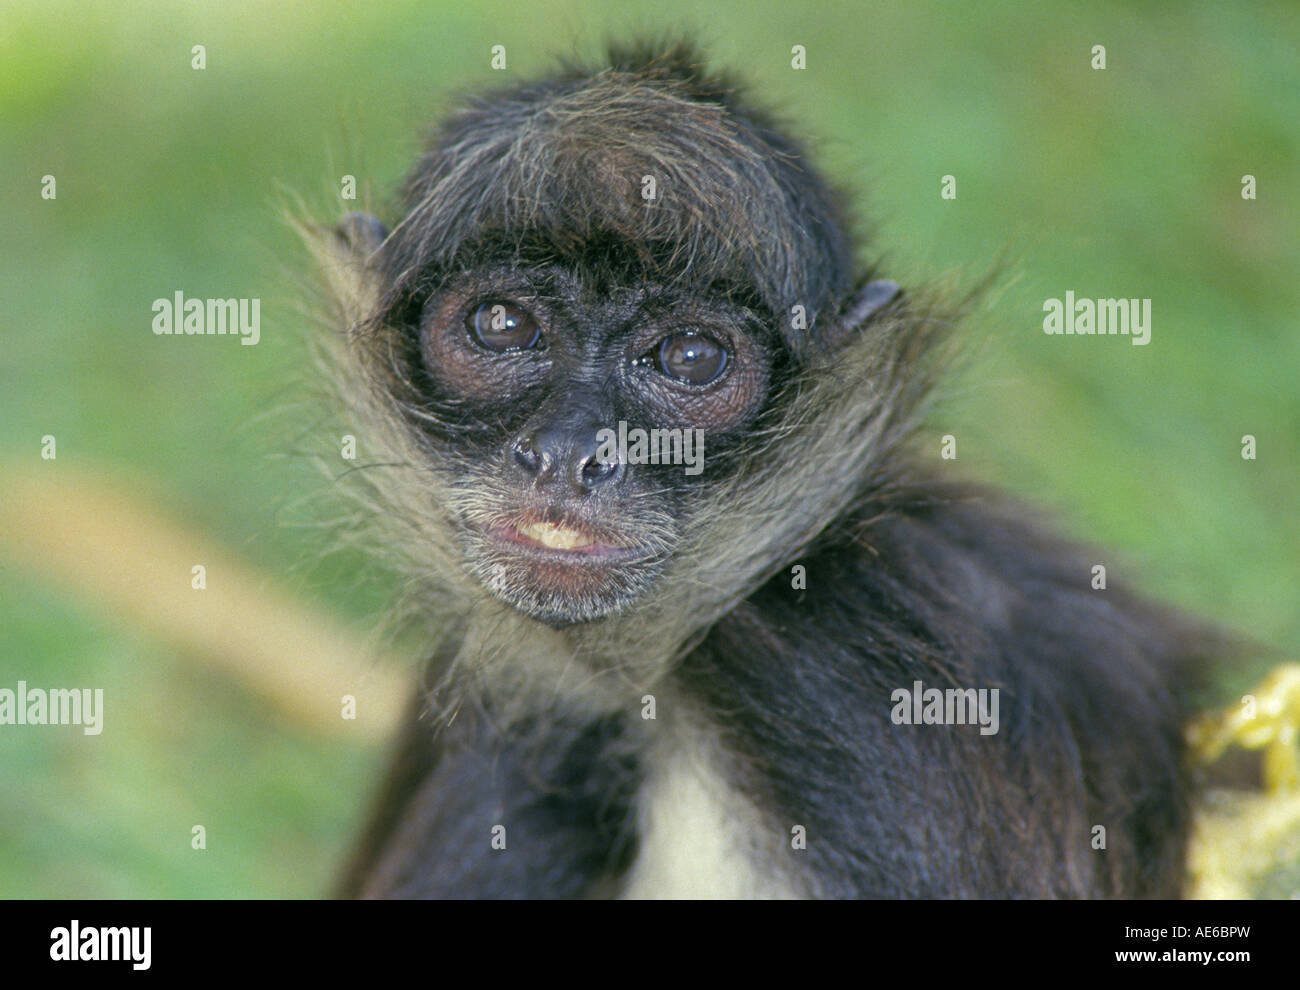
{"x": 544, "y": 455}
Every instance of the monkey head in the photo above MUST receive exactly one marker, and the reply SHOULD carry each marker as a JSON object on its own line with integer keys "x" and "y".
{"x": 627, "y": 252}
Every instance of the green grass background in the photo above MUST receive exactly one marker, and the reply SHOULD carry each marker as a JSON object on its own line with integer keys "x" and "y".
{"x": 1117, "y": 182}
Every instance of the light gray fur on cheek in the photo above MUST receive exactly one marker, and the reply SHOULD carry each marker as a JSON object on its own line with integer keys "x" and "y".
{"x": 805, "y": 475}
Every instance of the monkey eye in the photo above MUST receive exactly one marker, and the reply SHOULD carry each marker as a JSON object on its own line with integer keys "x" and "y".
{"x": 688, "y": 357}
{"x": 500, "y": 326}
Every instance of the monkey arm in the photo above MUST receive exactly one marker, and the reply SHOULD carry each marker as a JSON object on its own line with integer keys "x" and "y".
{"x": 476, "y": 810}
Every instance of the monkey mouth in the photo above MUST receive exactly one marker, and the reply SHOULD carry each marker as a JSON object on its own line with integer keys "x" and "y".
{"x": 558, "y": 541}
{"x": 557, "y": 566}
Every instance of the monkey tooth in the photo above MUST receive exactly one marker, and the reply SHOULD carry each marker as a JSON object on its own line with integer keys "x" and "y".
{"x": 554, "y": 537}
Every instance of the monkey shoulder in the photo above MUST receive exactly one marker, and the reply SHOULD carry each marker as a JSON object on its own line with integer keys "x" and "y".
{"x": 955, "y": 590}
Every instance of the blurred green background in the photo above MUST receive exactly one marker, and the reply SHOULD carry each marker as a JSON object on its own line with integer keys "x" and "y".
{"x": 1125, "y": 182}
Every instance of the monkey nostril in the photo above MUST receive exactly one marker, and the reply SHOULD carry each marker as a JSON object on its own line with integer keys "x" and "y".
{"x": 526, "y": 455}
{"x": 595, "y": 471}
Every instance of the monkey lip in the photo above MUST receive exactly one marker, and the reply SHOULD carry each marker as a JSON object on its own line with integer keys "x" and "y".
{"x": 554, "y": 537}
{"x": 557, "y": 541}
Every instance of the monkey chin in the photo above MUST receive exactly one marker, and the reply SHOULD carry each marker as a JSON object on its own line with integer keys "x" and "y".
{"x": 558, "y": 578}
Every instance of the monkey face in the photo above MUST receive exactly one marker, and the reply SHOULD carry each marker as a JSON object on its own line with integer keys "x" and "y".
{"x": 587, "y": 416}
{"x": 595, "y": 322}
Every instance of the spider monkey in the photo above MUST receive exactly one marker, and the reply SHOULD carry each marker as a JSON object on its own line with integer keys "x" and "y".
{"x": 648, "y": 681}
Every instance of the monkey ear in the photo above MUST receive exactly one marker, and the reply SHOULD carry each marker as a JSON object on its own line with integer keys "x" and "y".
{"x": 362, "y": 233}
{"x": 864, "y": 306}
{"x": 345, "y": 254}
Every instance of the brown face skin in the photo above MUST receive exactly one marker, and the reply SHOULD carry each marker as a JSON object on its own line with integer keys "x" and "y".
{"x": 540, "y": 364}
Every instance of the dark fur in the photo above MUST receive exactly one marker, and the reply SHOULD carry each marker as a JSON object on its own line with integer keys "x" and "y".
{"x": 909, "y": 577}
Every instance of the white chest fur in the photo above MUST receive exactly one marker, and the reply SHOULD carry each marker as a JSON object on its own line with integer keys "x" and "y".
{"x": 701, "y": 838}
